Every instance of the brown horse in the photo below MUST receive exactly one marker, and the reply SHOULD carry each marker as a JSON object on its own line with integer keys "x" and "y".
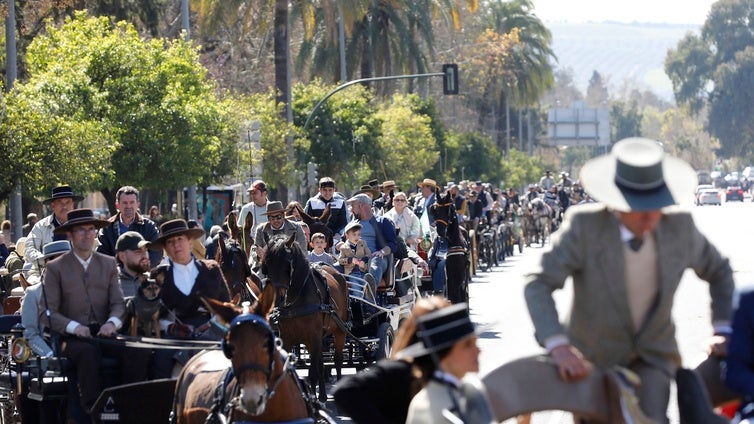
{"x": 318, "y": 224}
{"x": 311, "y": 305}
{"x": 256, "y": 382}
{"x": 242, "y": 234}
{"x": 238, "y": 275}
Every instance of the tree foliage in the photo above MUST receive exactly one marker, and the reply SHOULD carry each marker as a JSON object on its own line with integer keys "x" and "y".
{"x": 625, "y": 120}
{"x": 145, "y": 107}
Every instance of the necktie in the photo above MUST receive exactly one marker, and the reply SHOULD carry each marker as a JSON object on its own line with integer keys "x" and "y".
{"x": 635, "y": 244}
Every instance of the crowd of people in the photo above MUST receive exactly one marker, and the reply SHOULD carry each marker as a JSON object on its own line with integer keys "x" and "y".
{"x": 81, "y": 271}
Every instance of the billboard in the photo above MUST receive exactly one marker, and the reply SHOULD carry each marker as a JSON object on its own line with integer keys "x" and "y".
{"x": 578, "y": 126}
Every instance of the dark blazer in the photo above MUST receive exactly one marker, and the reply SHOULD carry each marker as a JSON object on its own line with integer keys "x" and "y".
{"x": 73, "y": 294}
{"x": 209, "y": 283}
{"x": 109, "y": 235}
{"x": 379, "y": 394}
{"x": 739, "y": 374}
{"x": 589, "y": 248}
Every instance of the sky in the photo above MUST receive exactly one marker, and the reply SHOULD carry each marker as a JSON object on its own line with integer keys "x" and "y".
{"x": 652, "y": 11}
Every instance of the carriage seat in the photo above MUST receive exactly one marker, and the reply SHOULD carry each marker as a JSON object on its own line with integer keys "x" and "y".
{"x": 387, "y": 282}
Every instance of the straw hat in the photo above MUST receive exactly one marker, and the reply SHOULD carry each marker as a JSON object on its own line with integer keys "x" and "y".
{"x": 427, "y": 182}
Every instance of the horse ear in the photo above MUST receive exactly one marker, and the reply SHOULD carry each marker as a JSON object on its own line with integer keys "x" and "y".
{"x": 325, "y": 214}
{"x": 266, "y": 300}
{"x": 305, "y": 216}
{"x": 225, "y": 312}
{"x": 291, "y": 240}
{"x": 249, "y": 221}
{"x": 236, "y": 299}
{"x": 437, "y": 192}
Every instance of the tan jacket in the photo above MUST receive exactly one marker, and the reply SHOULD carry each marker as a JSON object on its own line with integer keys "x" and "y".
{"x": 347, "y": 254}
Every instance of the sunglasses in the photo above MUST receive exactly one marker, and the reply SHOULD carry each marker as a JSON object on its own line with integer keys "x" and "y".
{"x": 276, "y": 218}
{"x": 399, "y": 200}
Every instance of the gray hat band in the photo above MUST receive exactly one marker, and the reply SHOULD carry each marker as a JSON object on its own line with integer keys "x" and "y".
{"x": 641, "y": 178}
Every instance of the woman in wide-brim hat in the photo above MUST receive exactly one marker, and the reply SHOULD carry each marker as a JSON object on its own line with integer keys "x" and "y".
{"x": 173, "y": 228}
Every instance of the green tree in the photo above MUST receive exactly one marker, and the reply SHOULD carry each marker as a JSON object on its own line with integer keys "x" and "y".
{"x": 625, "y": 120}
{"x": 149, "y": 101}
{"x": 521, "y": 169}
{"x": 596, "y": 93}
{"x": 479, "y": 158}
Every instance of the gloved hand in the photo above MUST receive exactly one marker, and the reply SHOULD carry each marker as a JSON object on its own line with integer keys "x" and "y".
{"x": 180, "y": 330}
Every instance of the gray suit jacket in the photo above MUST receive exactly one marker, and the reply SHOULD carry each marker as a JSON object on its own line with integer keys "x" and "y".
{"x": 588, "y": 247}
{"x": 84, "y": 297}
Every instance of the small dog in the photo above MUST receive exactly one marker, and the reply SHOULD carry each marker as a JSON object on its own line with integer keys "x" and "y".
{"x": 144, "y": 308}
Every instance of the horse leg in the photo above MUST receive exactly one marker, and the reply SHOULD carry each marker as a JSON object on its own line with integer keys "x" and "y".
{"x": 317, "y": 371}
{"x": 339, "y": 345}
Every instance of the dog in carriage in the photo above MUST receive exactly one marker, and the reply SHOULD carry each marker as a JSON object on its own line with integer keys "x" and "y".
{"x": 144, "y": 308}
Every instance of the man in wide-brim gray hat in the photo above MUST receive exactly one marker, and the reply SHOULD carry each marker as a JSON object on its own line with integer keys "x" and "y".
{"x": 626, "y": 255}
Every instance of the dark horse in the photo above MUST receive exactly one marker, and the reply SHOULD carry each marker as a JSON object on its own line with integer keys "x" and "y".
{"x": 312, "y": 305}
{"x": 318, "y": 224}
{"x": 448, "y": 254}
{"x": 241, "y": 234}
{"x": 238, "y": 275}
{"x": 256, "y": 383}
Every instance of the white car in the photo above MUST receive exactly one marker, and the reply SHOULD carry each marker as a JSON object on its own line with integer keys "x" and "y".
{"x": 709, "y": 196}
{"x": 699, "y": 189}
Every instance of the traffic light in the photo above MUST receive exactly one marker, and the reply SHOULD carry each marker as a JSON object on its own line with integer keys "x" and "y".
{"x": 311, "y": 174}
{"x": 450, "y": 78}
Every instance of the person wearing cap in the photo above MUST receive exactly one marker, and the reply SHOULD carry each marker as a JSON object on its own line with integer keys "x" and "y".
{"x": 424, "y": 200}
{"x": 31, "y": 220}
{"x": 378, "y": 232}
{"x": 257, "y": 206}
{"x": 445, "y": 353}
{"x": 382, "y": 203}
{"x": 33, "y": 329}
{"x": 127, "y": 219}
{"x": 354, "y": 253}
{"x": 626, "y": 256}
{"x": 316, "y": 205}
{"x": 61, "y": 202}
{"x": 405, "y": 219}
{"x": 82, "y": 299}
{"x": 277, "y": 224}
{"x": 133, "y": 261}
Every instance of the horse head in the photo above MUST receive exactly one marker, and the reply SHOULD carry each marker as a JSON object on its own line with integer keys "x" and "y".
{"x": 234, "y": 265}
{"x": 318, "y": 224}
{"x": 250, "y": 345}
{"x": 287, "y": 267}
{"x": 444, "y": 212}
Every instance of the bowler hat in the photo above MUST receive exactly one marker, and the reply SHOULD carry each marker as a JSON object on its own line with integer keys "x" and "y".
{"x": 174, "y": 228}
{"x": 78, "y": 217}
{"x": 130, "y": 240}
{"x": 275, "y": 208}
{"x": 637, "y": 175}
{"x": 55, "y": 248}
{"x": 62, "y": 192}
{"x": 439, "y": 330}
{"x": 427, "y": 182}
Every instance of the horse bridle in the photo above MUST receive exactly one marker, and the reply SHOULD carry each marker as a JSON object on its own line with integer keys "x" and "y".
{"x": 291, "y": 269}
{"x": 236, "y": 247}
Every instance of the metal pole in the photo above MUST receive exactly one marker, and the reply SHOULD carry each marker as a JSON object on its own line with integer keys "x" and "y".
{"x": 192, "y": 212}
{"x": 342, "y": 43}
{"x": 16, "y": 203}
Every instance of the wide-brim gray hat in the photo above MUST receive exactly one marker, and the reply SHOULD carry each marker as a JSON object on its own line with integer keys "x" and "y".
{"x": 439, "y": 330}
{"x": 638, "y": 176}
{"x": 55, "y": 248}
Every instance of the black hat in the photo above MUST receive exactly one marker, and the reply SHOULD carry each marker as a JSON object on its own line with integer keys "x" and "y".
{"x": 78, "y": 217}
{"x": 439, "y": 330}
{"x": 62, "y": 192}
{"x": 173, "y": 228}
{"x": 130, "y": 240}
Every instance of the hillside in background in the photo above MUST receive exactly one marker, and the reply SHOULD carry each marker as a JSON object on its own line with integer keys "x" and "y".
{"x": 621, "y": 52}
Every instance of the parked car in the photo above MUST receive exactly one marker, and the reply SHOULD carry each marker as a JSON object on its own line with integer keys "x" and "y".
{"x": 709, "y": 196}
{"x": 734, "y": 193}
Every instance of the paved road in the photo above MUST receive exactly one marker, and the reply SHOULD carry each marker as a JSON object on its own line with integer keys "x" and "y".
{"x": 497, "y": 298}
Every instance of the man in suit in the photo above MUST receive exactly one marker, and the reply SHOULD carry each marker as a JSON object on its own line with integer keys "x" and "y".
{"x": 84, "y": 299}
{"x": 626, "y": 256}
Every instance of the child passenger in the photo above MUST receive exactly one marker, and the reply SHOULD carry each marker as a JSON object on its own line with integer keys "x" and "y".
{"x": 318, "y": 254}
{"x": 354, "y": 253}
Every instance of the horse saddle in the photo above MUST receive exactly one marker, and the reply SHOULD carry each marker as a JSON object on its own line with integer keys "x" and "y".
{"x": 532, "y": 384}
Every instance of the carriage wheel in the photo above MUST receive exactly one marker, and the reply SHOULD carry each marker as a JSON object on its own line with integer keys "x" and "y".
{"x": 385, "y": 346}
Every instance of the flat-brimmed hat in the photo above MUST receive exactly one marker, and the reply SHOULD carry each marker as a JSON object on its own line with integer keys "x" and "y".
{"x": 173, "y": 228}
{"x": 352, "y": 225}
{"x": 439, "y": 330}
{"x": 62, "y": 192}
{"x": 130, "y": 240}
{"x": 275, "y": 207}
{"x": 427, "y": 182}
{"x": 55, "y": 248}
{"x": 78, "y": 217}
{"x": 388, "y": 184}
{"x": 369, "y": 190}
{"x": 374, "y": 183}
{"x": 21, "y": 246}
{"x": 637, "y": 175}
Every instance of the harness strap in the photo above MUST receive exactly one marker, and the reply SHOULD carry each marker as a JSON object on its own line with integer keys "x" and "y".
{"x": 215, "y": 416}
